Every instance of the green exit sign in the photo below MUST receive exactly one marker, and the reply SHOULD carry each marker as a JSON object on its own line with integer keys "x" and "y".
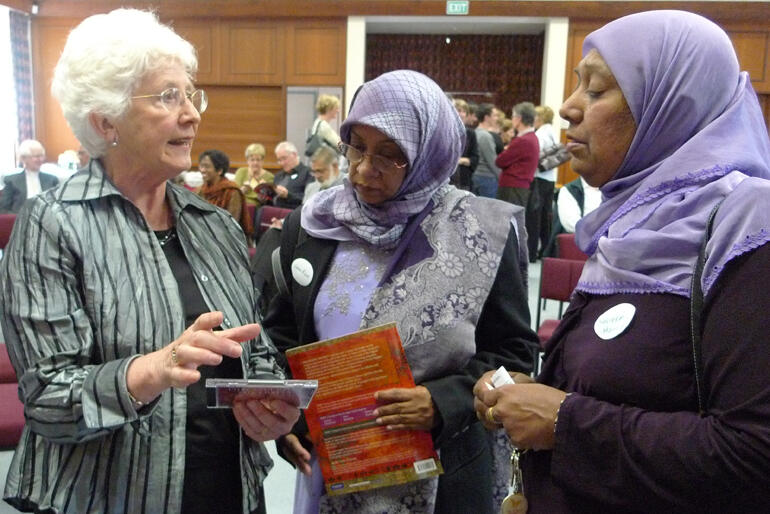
{"x": 457, "y": 7}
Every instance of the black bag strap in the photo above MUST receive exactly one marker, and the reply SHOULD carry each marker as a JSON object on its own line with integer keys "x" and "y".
{"x": 696, "y": 310}
{"x": 280, "y": 280}
{"x": 292, "y": 235}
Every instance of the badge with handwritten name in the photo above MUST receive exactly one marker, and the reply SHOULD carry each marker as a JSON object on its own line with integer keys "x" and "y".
{"x": 302, "y": 271}
{"x": 614, "y": 321}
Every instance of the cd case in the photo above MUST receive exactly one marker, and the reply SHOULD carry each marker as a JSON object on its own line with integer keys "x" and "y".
{"x": 221, "y": 393}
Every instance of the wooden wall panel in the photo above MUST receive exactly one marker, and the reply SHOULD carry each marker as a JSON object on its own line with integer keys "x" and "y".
{"x": 252, "y": 53}
{"x": 238, "y": 116}
{"x": 204, "y": 36}
{"x": 240, "y": 62}
{"x": 51, "y": 129}
{"x": 315, "y": 53}
{"x": 753, "y": 50}
{"x": 238, "y": 9}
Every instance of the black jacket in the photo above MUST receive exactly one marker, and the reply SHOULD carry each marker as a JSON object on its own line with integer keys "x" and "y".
{"x": 15, "y": 192}
{"x": 503, "y": 338}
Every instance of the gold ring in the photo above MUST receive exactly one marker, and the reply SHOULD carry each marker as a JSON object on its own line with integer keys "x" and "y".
{"x": 491, "y": 416}
{"x": 174, "y": 357}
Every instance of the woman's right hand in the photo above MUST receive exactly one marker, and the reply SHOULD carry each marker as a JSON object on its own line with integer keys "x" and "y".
{"x": 296, "y": 453}
{"x": 176, "y": 365}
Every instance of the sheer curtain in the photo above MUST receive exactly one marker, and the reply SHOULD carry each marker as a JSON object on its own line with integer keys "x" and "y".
{"x": 9, "y": 131}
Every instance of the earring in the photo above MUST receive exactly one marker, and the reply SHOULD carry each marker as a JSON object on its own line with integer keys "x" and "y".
{"x": 114, "y": 141}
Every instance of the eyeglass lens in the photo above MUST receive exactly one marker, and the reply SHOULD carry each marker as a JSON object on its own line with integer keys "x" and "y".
{"x": 173, "y": 98}
{"x": 355, "y": 156}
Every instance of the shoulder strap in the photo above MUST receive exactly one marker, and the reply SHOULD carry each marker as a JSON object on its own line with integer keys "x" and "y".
{"x": 576, "y": 189}
{"x": 696, "y": 311}
{"x": 292, "y": 235}
{"x": 280, "y": 280}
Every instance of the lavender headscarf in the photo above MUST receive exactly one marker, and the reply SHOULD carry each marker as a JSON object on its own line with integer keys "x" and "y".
{"x": 413, "y": 111}
{"x": 700, "y": 135}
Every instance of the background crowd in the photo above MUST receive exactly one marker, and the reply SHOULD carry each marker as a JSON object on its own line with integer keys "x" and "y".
{"x": 127, "y": 284}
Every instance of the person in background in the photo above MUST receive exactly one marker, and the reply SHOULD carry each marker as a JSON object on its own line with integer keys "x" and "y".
{"x": 497, "y": 129}
{"x": 325, "y": 167}
{"x": 83, "y": 157}
{"x": 507, "y": 132}
{"x": 540, "y": 209}
{"x": 328, "y": 108}
{"x": 219, "y": 191}
{"x": 519, "y": 160}
{"x": 291, "y": 180}
{"x": 253, "y": 174}
{"x": 574, "y": 200}
{"x": 397, "y": 243}
{"x": 29, "y": 182}
{"x": 466, "y": 165}
{"x": 654, "y": 394}
{"x": 122, "y": 293}
{"x": 487, "y": 173}
{"x": 472, "y": 120}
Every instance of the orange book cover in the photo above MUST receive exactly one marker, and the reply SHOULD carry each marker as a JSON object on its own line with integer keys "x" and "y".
{"x": 354, "y": 452}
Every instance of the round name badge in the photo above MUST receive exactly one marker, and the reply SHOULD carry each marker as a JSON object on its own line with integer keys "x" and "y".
{"x": 302, "y": 271}
{"x": 614, "y": 321}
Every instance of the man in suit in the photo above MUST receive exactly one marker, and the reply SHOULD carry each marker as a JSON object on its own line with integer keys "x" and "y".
{"x": 30, "y": 182}
{"x": 291, "y": 180}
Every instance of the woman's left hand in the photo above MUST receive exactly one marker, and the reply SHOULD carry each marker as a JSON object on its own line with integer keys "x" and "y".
{"x": 405, "y": 409}
{"x": 526, "y": 411}
{"x": 265, "y": 420}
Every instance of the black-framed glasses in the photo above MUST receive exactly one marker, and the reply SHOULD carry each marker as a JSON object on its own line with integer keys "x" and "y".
{"x": 380, "y": 163}
{"x": 173, "y": 98}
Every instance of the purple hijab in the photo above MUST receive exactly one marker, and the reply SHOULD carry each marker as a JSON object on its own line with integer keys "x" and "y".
{"x": 700, "y": 137}
{"x": 413, "y": 111}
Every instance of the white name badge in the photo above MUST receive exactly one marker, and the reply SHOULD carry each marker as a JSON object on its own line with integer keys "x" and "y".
{"x": 302, "y": 271}
{"x": 614, "y": 321}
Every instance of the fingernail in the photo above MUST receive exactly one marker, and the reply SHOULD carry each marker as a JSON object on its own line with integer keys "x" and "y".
{"x": 375, "y": 412}
{"x": 378, "y": 421}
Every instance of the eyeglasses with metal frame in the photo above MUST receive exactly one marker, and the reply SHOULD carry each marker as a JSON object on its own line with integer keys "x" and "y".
{"x": 173, "y": 98}
{"x": 379, "y": 162}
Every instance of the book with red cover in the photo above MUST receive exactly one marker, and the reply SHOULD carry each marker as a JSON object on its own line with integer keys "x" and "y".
{"x": 354, "y": 452}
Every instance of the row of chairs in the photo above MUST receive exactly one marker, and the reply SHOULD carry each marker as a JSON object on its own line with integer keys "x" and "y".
{"x": 6, "y": 226}
{"x": 266, "y": 214}
{"x": 558, "y": 278}
{"x": 12, "y": 419}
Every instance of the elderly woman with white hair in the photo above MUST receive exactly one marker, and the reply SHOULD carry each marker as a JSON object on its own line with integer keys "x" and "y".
{"x": 122, "y": 292}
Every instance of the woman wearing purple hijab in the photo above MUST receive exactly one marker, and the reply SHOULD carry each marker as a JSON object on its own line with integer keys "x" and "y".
{"x": 667, "y": 125}
{"x": 397, "y": 243}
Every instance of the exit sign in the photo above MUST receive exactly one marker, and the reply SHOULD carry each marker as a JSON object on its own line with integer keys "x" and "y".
{"x": 457, "y": 7}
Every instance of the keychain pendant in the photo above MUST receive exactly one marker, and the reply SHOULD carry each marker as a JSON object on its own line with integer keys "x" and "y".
{"x": 514, "y": 503}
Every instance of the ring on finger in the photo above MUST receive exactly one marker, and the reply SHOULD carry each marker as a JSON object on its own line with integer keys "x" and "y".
{"x": 490, "y": 415}
{"x": 174, "y": 356}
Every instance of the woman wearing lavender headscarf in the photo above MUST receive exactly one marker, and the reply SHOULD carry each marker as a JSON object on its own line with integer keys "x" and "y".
{"x": 665, "y": 123}
{"x": 397, "y": 243}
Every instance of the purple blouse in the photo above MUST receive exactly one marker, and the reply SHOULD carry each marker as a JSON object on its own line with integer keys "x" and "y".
{"x": 630, "y": 438}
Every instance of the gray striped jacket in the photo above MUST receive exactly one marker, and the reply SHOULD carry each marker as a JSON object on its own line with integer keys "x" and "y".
{"x": 85, "y": 289}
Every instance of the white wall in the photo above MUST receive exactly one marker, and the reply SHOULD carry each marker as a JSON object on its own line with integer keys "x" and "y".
{"x": 554, "y": 64}
{"x": 355, "y": 69}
